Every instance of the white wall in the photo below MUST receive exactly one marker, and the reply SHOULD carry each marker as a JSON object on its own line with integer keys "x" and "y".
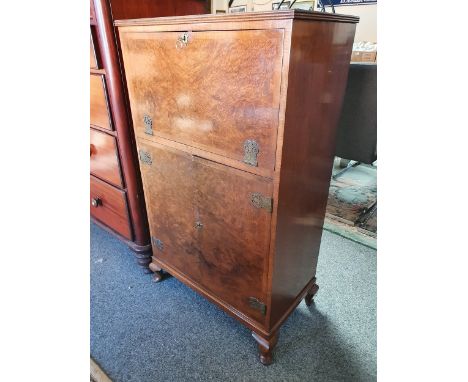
{"x": 366, "y": 30}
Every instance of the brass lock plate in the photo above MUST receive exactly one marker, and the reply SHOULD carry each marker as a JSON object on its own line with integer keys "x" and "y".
{"x": 148, "y": 124}
{"x": 260, "y": 201}
{"x": 251, "y": 151}
{"x": 145, "y": 157}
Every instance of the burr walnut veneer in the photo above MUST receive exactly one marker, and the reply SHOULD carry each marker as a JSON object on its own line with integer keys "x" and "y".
{"x": 235, "y": 119}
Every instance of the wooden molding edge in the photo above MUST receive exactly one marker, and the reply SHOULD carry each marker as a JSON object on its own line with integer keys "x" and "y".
{"x": 240, "y": 17}
{"x": 97, "y": 374}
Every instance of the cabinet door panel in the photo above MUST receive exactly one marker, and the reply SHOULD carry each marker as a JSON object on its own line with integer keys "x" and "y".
{"x": 235, "y": 235}
{"x": 168, "y": 187}
{"x": 216, "y": 92}
{"x": 210, "y": 231}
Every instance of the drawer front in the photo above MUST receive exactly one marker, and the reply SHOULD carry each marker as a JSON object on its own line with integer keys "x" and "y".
{"x": 109, "y": 205}
{"x": 99, "y": 113}
{"x": 218, "y": 92}
{"x": 204, "y": 224}
{"x": 104, "y": 158}
{"x": 92, "y": 53}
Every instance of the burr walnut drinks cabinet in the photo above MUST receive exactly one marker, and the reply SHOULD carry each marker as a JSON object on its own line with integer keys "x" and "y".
{"x": 235, "y": 119}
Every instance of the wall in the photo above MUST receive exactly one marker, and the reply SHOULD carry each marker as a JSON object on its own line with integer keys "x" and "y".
{"x": 366, "y": 29}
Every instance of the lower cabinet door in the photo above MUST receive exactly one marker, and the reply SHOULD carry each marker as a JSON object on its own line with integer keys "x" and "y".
{"x": 211, "y": 223}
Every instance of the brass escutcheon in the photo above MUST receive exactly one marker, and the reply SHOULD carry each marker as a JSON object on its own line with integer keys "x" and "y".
{"x": 183, "y": 40}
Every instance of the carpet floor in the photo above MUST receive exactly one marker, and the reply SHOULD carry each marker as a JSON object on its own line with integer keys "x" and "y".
{"x": 144, "y": 331}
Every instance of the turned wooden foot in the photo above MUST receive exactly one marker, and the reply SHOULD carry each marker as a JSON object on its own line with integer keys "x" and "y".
{"x": 157, "y": 272}
{"x": 309, "y": 298}
{"x": 144, "y": 260}
{"x": 265, "y": 347}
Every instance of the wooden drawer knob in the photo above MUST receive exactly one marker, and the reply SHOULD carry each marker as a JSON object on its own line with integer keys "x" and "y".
{"x": 96, "y": 202}
{"x": 92, "y": 149}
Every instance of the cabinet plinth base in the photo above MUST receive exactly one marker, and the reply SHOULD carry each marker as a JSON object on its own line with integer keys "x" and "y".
{"x": 265, "y": 347}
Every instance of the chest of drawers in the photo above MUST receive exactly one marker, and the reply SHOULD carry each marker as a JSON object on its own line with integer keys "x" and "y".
{"x": 235, "y": 119}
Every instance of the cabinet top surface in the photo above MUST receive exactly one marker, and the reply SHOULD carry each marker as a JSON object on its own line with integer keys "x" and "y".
{"x": 295, "y": 14}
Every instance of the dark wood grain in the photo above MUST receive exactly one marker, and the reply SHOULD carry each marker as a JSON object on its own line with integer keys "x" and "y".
{"x": 104, "y": 158}
{"x": 125, "y": 9}
{"x": 112, "y": 208}
{"x": 202, "y": 106}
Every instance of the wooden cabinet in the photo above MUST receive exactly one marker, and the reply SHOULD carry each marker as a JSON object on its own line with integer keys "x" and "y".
{"x": 117, "y": 201}
{"x": 235, "y": 119}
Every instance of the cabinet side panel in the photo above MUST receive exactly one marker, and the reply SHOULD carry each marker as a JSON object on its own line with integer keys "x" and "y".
{"x": 318, "y": 71}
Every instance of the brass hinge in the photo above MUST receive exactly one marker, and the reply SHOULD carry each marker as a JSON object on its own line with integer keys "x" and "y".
{"x": 145, "y": 157}
{"x": 158, "y": 243}
{"x": 250, "y": 152}
{"x": 148, "y": 124}
{"x": 260, "y": 201}
{"x": 257, "y": 304}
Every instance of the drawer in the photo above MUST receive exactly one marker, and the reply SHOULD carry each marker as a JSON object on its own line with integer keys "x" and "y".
{"x": 93, "y": 62}
{"x": 220, "y": 92}
{"x": 197, "y": 211}
{"x": 99, "y": 113}
{"x": 108, "y": 205}
{"x": 104, "y": 158}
